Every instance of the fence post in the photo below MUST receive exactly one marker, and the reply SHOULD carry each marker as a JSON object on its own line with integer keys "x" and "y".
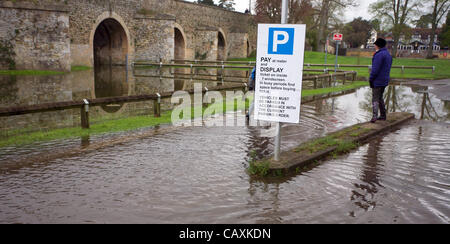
{"x": 434, "y": 69}
{"x": 316, "y": 78}
{"x": 157, "y": 106}
{"x": 329, "y": 79}
{"x": 205, "y": 99}
{"x": 223, "y": 71}
{"x": 85, "y": 114}
{"x": 345, "y": 77}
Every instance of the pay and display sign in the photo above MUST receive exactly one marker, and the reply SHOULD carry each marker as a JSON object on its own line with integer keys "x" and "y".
{"x": 279, "y": 72}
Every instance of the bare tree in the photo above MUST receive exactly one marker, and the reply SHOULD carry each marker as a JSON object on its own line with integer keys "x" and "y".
{"x": 269, "y": 11}
{"x": 440, "y": 9}
{"x": 326, "y": 8}
{"x": 397, "y": 14}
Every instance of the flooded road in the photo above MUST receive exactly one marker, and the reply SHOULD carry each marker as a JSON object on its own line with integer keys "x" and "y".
{"x": 197, "y": 174}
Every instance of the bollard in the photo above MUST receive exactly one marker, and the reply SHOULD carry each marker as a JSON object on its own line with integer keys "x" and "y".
{"x": 434, "y": 69}
{"x": 223, "y": 71}
{"x": 157, "y": 106}
{"x": 205, "y": 99}
{"x": 403, "y": 69}
{"x": 85, "y": 115}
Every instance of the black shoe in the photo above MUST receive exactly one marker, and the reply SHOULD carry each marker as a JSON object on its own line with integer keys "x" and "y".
{"x": 381, "y": 118}
{"x": 374, "y": 119}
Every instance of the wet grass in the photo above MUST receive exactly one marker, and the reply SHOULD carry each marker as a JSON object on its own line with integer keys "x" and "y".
{"x": 343, "y": 140}
{"x": 31, "y": 72}
{"x": 108, "y": 125}
{"x": 354, "y": 85}
{"x": 442, "y": 70}
{"x": 18, "y": 137}
{"x": 41, "y": 72}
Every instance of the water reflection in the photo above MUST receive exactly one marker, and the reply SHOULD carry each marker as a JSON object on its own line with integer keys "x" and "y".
{"x": 197, "y": 175}
{"x": 111, "y": 81}
{"x": 364, "y": 194}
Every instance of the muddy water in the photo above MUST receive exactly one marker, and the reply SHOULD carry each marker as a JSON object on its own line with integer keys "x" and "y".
{"x": 197, "y": 175}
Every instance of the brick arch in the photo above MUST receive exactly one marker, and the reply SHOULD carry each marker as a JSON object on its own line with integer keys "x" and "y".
{"x": 221, "y": 45}
{"x": 110, "y": 37}
{"x": 180, "y": 44}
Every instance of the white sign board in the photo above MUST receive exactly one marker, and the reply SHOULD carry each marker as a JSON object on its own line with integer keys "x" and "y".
{"x": 279, "y": 72}
{"x": 338, "y": 37}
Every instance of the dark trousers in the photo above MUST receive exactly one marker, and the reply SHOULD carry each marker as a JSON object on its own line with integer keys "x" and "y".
{"x": 378, "y": 102}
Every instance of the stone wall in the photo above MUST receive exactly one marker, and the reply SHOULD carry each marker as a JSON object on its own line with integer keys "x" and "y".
{"x": 34, "y": 38}
{"x": 54, "y": 34}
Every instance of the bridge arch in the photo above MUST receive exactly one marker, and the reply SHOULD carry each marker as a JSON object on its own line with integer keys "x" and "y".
{"x": 221, "y": 46}
{"x": 179, "y": 54}
{"x": 110, "y": 40}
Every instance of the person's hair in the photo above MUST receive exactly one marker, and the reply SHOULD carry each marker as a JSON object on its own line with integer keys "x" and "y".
{"x": 380, "y": 42}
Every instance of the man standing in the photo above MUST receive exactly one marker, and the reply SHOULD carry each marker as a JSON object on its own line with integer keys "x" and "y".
{"x": 379, "y": 78}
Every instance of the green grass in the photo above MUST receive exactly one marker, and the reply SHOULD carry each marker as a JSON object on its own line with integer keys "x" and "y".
{"x": 31, "y": 72}
{"x": 343, "y": 140}
{"x": 105, "y": 125}
{"x": 354, "y": 85}
{"x": 41, "y": 72}
{"x": 442, "y": 66}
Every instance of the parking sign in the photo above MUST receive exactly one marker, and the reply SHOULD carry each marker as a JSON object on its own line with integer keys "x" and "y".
{"x": 279, "y": 71}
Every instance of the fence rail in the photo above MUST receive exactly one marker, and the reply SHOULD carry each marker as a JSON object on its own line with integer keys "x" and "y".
{"x": 85, "y": 104}
{"x": 252, "y": 63}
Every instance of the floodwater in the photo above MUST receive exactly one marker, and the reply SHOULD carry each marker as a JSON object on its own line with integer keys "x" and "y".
{"x": 197, "y": 174}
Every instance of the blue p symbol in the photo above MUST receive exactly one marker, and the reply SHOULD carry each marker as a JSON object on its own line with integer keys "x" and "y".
{"x": 281, "y": 41}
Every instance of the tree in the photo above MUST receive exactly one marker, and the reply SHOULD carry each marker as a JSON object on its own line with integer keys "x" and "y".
{"x": 269, "y": 11}
{"x": 440, "y": 8}
{"x": 397, "y": 14}
{"x": 227, "y": 4}
{"x": 300, "y": 12}
{"x": 207, "y": 2}
{"x": 424, "y": 21}
{"x": 326, "y": 9}
{"x": 357, "y": 32}
{"x": 445, "y": 34}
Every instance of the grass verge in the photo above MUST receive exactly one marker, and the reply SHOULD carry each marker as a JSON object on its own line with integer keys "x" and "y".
{"x": 18, "y": 138}
{"x": 442, "y": 70}
{"x": 41, "y": 72}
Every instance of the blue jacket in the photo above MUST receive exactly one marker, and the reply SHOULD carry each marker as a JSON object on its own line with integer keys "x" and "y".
{"x": 381, "y": 68}
{"x": 251, "y": 80}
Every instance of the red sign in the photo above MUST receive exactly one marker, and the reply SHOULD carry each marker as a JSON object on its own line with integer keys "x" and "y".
{"x": 338, "y": 37}
{"x": 445, "y": 55}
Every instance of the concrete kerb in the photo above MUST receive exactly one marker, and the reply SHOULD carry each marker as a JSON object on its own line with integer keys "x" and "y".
{"x": 293, "y": 162}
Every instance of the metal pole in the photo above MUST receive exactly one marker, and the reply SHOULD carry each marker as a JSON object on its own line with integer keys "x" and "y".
{"x": 284, "y": 14}
{"x": 337, "y": 53}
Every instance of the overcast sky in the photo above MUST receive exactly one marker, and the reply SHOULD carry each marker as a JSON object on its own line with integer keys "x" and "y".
{"x": 350, "y": 13}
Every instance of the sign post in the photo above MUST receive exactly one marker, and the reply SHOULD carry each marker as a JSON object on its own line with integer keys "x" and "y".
{"x": 338, "y": 38}
{"x": 278, "y": 79}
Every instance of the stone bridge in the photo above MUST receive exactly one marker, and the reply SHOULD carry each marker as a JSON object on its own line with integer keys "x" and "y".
{"x": 58, "y": 34}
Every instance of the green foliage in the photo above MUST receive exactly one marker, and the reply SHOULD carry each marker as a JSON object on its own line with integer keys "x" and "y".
{"x": 445, "y": 35}
{"x": 7, "y": 54}
{"x": 259, "y": 168}
{"x": 227, "y": 4}
{"x": 357, "y": 32}
{"x": 207, "y": 2}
